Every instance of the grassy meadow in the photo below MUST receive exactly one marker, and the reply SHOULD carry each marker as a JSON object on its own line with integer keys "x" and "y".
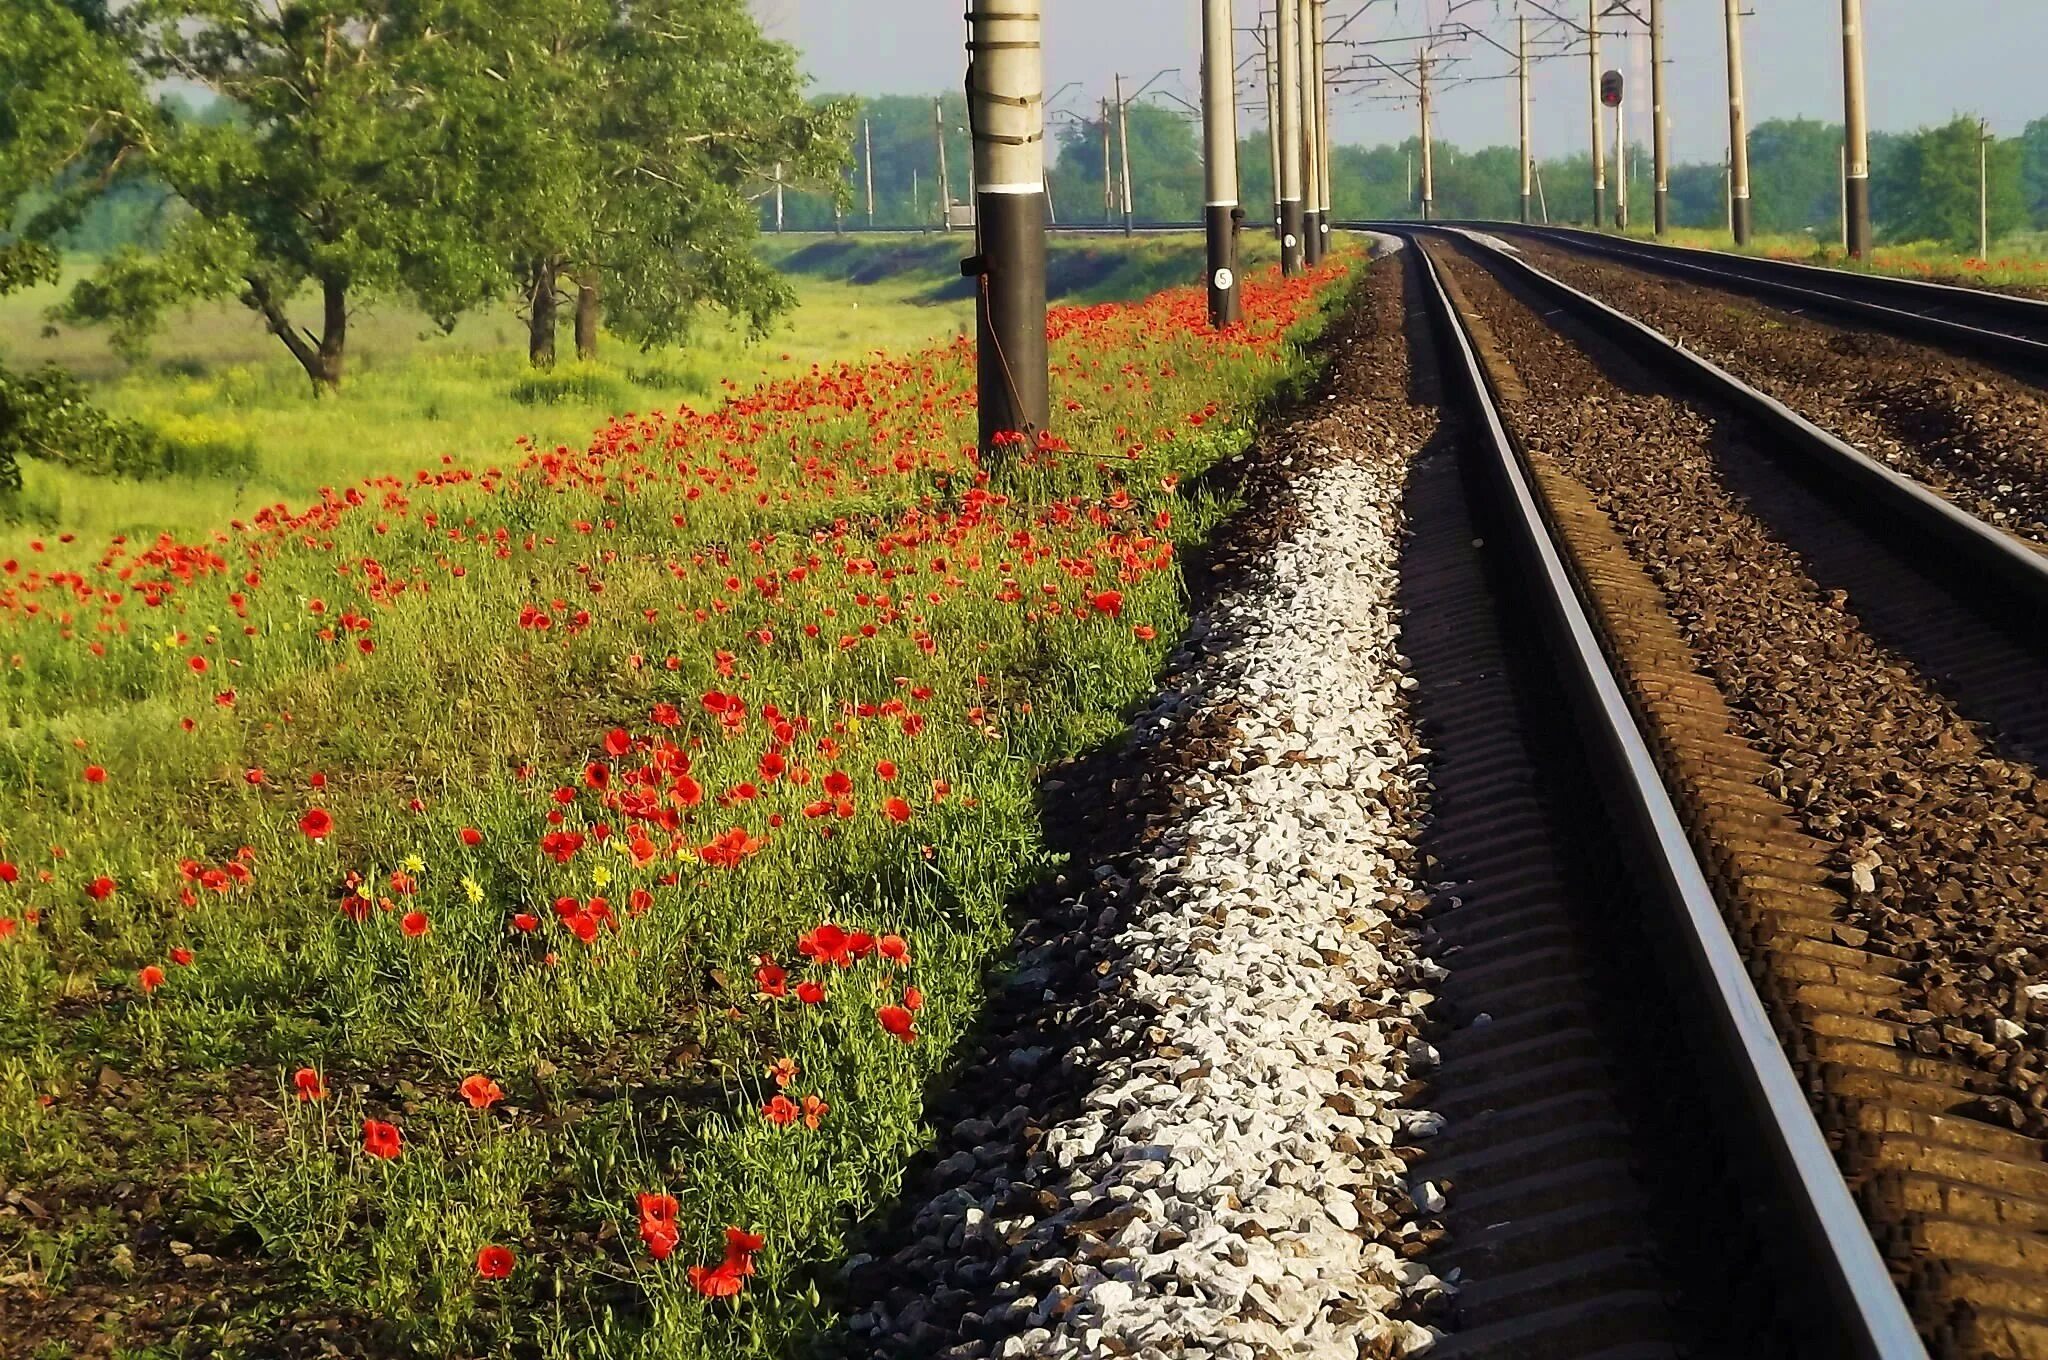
{"x": 514, "y": 906}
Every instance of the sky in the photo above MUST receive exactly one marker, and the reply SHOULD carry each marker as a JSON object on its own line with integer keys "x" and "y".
{"x": 1927, "y": 60}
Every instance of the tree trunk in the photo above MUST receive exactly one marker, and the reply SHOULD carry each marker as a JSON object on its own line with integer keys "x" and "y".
{"x": 586, "y": 314}
{"x": 320, "y": 357}
{"x": 333, "y": 334}
{"x": 541, "y": 312}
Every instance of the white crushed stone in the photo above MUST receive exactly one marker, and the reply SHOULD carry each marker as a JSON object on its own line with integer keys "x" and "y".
{"x": 1240, "y": 1118}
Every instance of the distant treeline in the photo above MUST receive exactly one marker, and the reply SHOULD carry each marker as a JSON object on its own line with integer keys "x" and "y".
{"x": 1923, "y": 183}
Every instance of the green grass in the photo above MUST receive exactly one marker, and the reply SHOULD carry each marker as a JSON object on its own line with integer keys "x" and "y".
{"x": 537, "y": 705}
{"x": 2019, "y": 261}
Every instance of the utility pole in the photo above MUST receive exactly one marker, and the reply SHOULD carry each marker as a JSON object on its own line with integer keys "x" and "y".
{"x": 945, "y": 181}
{"x": 1108, "y": 182}
{"x": 1660, "y": 117}
{"x": 1273, "y": 120}
{"x": 1738, "y": 132}
{"x": 1123, "y": 142}
{"x": 1599, "y": 148}
{"x": 1219, "y": 159}
{"x": 1983, "y": 189}
{"x": 867, "y": 142}
{"x": 1428, "y": 157}
{"x": 1006, "y": 121}
{"x": 1522, "y": 75}
{"x": 1856, "y": 127}
{"x": 778, "y": 195}
{"x": 1288, "y": 14}
{"x": 1321, "y": 105}
{"x": 1311, "y": 170}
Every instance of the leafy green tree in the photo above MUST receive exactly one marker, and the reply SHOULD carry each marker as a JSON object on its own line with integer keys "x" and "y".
{"x": 1938, "y": 186}
{"x": 2034, "y": 171}
{"x": 1166, "y": 167}
{"x": 906, "y": 165}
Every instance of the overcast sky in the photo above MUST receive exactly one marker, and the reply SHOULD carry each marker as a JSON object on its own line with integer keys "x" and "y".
{"x": 1928, "y": 59}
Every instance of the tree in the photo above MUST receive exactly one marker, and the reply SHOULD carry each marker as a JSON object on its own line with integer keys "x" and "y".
{"x": 345, "y": 167}
{"x": 2034, "y": 171}
{"x": 1166, "y": 166}
{"x": 1938, "y": 189}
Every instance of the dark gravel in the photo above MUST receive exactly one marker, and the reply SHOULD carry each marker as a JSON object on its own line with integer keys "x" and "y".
{"x": 1977, "y": 435}
{"x": 1940, "y": 844}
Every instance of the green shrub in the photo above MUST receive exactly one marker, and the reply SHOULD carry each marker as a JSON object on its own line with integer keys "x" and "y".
{"x": 47, "y": 414}
{"x": 579, "y": 383}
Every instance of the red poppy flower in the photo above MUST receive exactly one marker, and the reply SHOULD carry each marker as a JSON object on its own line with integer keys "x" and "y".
{"x": 1110, "y": 602}
{"x": 526, "y": 922}
{"x": 182, "y": 957}
{"x": 815, "y": 1111}
{"x": 666, "y": 715}
{"x": 415, "y": 924}
{"x": 317, "y": 824}
{"x": 481, "y": 1092}
{"x": 810, "y": 993}
{"x": 100, "y": 889}
{"x": 494, "y": 1262}
{"x": 780, "y": 1111}
{"x": 618, "y": 741}
{"x": 896, "y": 810}
{"x": 1144, "y": 632}
{"x": 826, "y": 944}
{"x": 661, "y": 1207}
{"x": 95, "y": 774}
{"x": 9, "y": 873}
{"x": 471, "y": 836}
{"x": 894, "y": 949}
{"x": 597, "y": 775}
{"x": 740, "y": 1242}
{"x": 898, "y": 1022}
{"x": 783, "y": 1071}
{"x": 308, "y": 1083}
{"x": 885, "y": 769}
{"x": 198, "y": 664}
{"x": 771, "y": 980}
{"x": 150, "y": 978}
{"x": 913, "y": 999}
{"x": 838, "y": 784}
{"x": 382, "y": 1140}
{"x": 721, "y": 1281}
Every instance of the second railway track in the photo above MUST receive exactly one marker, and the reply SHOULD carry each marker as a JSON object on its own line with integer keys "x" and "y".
{"x": 1876, "y": 853}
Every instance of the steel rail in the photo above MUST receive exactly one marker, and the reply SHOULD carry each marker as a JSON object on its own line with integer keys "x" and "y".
{"x": 1836, "y": 1250}
{"x": 1994, "y": 573}
{"x": 1999, "y": 327}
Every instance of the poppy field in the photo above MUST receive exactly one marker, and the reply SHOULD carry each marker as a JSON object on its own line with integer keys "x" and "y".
{"x": 519, "y": 909}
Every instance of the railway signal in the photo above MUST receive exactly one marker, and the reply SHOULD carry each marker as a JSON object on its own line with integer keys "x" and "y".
{"x": 1006, "y": 122}
{"x": 1610, "y": 89}
{"x": 1611, "y": 94}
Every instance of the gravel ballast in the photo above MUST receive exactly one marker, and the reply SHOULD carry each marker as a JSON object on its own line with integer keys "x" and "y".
{"x": 1220, "y": 1176}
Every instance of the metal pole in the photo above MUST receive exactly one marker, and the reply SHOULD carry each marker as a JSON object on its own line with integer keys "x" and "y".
{"x": 1983, "y": 189}
{"x": 1599, "y": 144}
{"x": 1219, "y": 159}
{"x": 1738, "y": 132}
{"x": 1006, "y": 120}
{"x": 1621, "y": 165}
{"x": 1857, "y": 128}
{"x": 945, "y": 181}
{"x": 1123, "y": 140}
{"x": 867, "y": 141}
{"x": 1660, "y": 118}
{"x": 1273, "y": 123}
{"x": 1428, "y": 157}
{"x": 1290, "y": 136}
{"x": 1522, "y": 72}
{"x": 1311, "y": 172}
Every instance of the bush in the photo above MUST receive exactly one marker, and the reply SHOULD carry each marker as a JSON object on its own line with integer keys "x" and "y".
{"x": 571, "y": 383}
{"x": 47, "y": 415}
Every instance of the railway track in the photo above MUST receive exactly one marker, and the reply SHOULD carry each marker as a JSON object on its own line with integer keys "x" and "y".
{"x": 1919, "y": 1093}
{"x": 2003, "y": 329}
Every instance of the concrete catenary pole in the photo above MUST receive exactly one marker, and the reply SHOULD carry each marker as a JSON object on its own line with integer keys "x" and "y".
{"x": 1108, "y": 175}
{"x": 1599, "y": 136}
{"x": 1621, "y": 164}
{"x": 867, "y": 142}
{"x": 778, "y": 195}
{"x": 1856, "y": 127}
{"x": 1123, "y": 146}
{"x": 1428, "y": 155}
{"x": 1273, "y": 119}
{"x": 1522, "y": 103}
{"x": 1324, "y": 228}
{"x": 1006, "y": 121}
{"x": 1311, "y": 168}
{"x": 1983, "y": 189}
{"x": 1219, "y": 158}
{"x": 945, "y": 181}
{"x": 1290, "y": 136}
{"x": 1738, "y": 132}
{"x": 1660, "y": 119}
